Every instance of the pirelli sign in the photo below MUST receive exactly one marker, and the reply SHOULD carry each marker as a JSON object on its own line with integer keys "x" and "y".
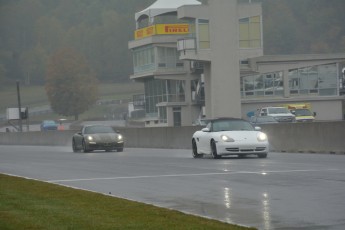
{"x": 160, "y": 29}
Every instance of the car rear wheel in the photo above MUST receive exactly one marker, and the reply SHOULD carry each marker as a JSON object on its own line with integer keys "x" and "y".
{"x": 214, "y": 150}
{"x": 195, "y": 150}
{"x": 85, "y": 150}
{"x": 262, "y": 155}
{"x": 74, "y": 146}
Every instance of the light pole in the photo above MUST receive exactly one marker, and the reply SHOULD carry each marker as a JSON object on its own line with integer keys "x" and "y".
{"x": 19, "y": 108}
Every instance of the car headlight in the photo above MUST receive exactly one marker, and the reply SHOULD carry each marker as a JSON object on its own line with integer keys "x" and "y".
{"x": 90, "y": 138}
{"x": 262, "y": 136}
{"x": 226, "y": 138}
{"x": 119, "y": 137}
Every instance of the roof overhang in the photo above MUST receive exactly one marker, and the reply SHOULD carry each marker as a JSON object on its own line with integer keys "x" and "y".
{"x": 164, "y": 6}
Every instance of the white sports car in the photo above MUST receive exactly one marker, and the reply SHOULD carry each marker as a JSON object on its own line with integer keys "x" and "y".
{"x": 229, "y": 136}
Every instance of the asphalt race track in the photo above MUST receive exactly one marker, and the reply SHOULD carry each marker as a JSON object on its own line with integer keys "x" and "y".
{"x": 284, "y": 191}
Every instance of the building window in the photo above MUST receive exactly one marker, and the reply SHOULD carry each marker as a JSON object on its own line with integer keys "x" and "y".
{"x": 154, "y": 94}
{"x": 250, "y": 32}
{"x": 162, "y": 115}
{"x": 269, "y": 84}
{"x": 175, "y": 91}
{"x": 204, "y": 34}
{"x": 157, "y": 91}
{"x": 314, "y": 80}
{"x": 143, "y": 59}
{"x": 168, "y": 58}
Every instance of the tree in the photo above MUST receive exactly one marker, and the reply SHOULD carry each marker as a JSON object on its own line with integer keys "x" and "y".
{"x": 70, "y": 84}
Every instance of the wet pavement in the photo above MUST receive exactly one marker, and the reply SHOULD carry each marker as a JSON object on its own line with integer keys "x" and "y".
{"x": 284, "y": 191}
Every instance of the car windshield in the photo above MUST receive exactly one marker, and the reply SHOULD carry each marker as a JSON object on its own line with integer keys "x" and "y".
{"x": 278, "y": 110}
{"x": 303, "y": 112}
{"x": 231, "y": 125}
{"x": 98, "y": 129}
{"x": 49, "y": 122}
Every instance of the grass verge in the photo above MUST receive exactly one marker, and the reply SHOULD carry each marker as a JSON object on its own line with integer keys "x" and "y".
{"x": 30, "y": 204}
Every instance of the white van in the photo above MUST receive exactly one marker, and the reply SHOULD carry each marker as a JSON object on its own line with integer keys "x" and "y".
{"x": 281, "y": 114}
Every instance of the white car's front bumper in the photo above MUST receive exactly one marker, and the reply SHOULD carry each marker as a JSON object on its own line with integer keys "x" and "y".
{"x": 238, "y": 148}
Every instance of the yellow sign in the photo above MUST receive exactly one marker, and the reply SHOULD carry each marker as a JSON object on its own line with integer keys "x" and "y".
{"x": 145, "y": 32}
{"x": 162, "y": 29}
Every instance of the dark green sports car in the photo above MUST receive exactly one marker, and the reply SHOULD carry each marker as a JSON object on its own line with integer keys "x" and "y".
{"x": 97, "y": 137}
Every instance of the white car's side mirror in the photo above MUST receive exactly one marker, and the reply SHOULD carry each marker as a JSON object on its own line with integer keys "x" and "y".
{"x": 205, "y": 130}
{"x": 257, "y": 128}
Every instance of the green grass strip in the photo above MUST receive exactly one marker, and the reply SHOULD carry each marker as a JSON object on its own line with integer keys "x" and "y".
{"x": 30, "y": 204}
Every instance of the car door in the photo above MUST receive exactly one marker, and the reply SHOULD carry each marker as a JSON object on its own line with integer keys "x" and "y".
{"x": 204, "y": 139}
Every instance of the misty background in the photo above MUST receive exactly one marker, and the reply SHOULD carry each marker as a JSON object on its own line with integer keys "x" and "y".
{"x": 32, "y": 30}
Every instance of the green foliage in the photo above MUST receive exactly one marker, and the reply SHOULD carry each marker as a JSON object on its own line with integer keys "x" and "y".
{"x": 70, "y": 84}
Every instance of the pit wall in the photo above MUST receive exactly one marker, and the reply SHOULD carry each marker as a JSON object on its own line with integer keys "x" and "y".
{"x": 316, "y": 137}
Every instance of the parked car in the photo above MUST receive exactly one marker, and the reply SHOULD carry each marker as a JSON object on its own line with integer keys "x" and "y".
{"x": 48, "y": 125}
{"x": 281, "y": 114}
{"x": 229, "y": 136}
{"x": 255, "y": 120}
{"x": 97, "y": 137}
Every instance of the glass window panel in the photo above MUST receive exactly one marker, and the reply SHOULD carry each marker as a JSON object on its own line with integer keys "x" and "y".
{"x": 204, "y": 35}
{"x": 244, "y": 20}
{"x": 327, "y": 92}
{"x": 260, "y": 93}
{"x": 313, "y": 81}
{"x": 278, "y": 80}
{"x": 304, "y": 91}
{"x": 303, "y": 78}
{"x": 255, "y": 43}
{"x": 244, "y": 32}
{"x": 244, "y": 44}
{"x": 327, "y": 76}
{"x": 258, "y": 82}
{"x": 248, "y": 83}
{"x": 205, "y": 21}
{"x": 293, "y": 79}
{"x": 255, "y": 31}
{"x": 268, "y": 81}
{"x": 250, "y": 32}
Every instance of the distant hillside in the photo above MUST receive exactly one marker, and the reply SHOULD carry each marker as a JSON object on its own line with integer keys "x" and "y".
{"x": 31, "y": 30}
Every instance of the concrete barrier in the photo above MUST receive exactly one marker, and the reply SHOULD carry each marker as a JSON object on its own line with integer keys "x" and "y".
{"x": 307, "y": 137}
{"x": 53, "y": 138}
{"x": 317, "y": 137}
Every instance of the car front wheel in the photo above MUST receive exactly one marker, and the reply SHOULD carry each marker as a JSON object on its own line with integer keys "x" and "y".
{"x": 119, "y": 150}
{"x": 85, "y": 150}
{"x": 262, "y": 155}
{"x": 214, "y": 150}
{"x": 195, "y": 150}
{"x": 74, "y": 146}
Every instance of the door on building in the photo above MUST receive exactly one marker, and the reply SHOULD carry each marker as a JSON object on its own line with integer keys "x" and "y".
{"x": 177, "y": 116}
